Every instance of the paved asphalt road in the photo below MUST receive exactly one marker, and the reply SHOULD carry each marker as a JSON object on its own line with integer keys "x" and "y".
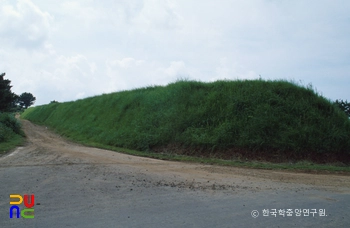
{"x": 76, "y": 186}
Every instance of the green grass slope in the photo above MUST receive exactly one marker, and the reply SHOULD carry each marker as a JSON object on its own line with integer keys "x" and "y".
{"x": 11, "y": 134}
{"x": 262, "y": 120}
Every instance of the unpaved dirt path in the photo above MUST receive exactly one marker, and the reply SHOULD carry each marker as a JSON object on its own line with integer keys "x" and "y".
{"x": 88, "y": 187}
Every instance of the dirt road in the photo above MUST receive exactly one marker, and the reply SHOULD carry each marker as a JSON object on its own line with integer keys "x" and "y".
{"x": 77, "y": 186}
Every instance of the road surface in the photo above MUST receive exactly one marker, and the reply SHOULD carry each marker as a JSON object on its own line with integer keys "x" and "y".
{"x": 78, "y": 186}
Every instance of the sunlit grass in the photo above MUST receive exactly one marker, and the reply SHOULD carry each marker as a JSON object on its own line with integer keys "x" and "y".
{"x": 262, "y": 118}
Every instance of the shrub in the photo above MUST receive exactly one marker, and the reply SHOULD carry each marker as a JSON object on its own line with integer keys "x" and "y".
{"x": 9, "y": 126}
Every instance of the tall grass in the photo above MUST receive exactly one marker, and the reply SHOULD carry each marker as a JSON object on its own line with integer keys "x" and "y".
{"x": 251, "y": 118}
{"x": 11, "y": 134}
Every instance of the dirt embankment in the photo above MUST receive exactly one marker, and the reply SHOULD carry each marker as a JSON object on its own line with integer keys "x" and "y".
{"x": 45, "y": 148}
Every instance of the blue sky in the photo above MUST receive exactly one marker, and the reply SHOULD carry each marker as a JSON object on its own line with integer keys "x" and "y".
{"x": 68, "y": 50}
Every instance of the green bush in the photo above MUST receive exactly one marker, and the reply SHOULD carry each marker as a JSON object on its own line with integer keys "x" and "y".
{"x": 9, "y": 126}
{"x": 5, "y": 133}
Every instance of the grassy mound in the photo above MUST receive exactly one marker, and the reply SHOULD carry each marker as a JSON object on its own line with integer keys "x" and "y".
{"x": 269, "y": 120}
{"x": 11, "y": 134}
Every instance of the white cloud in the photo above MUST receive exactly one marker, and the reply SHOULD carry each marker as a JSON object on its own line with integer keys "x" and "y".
{"x": 129, "y": 73}
{"x": 158, "y": 14}
{"x": 231, "y": 70}
{"x": 176, "y": 69}
{"x": 50, "y": 76}
{"x": 223, "y": 70}
{"x": 24, "y": 24}
{"x": 127, "y": 63}
{"x": 82, "y": 11}
{"x": 80, "y": 48}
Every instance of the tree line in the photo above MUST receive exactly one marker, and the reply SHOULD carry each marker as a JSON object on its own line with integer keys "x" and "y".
{"x": 11, "y": 102}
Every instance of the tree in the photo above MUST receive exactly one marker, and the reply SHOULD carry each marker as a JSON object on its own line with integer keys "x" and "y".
{"x": 26, "y": 100}
{"x": 7, "y": 98}
{"x": 344, "y": 106}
